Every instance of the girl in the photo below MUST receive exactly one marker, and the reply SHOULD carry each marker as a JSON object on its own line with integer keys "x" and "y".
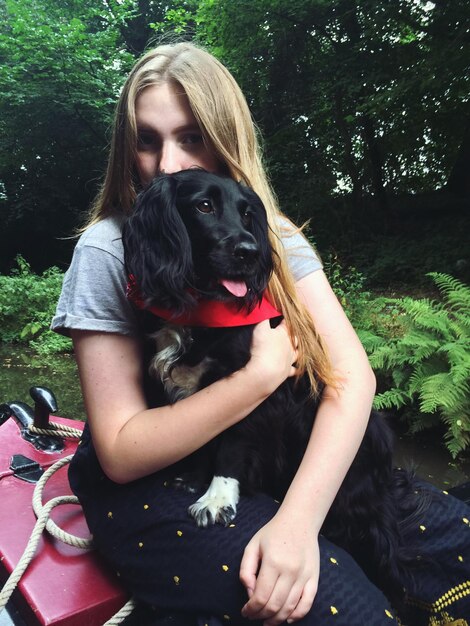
{"x": 181, "y": 108}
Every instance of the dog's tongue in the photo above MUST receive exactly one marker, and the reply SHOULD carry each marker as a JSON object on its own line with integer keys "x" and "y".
{"x": 237, "y": 288}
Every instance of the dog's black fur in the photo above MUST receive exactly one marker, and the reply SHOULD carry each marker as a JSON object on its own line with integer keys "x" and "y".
{"x": 188, "y": 231}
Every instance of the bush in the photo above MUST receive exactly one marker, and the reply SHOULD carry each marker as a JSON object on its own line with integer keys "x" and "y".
{"x": 401, "y": 260}
{"x": 348, "y": 285}
{"x": 27, "y": 305}
{"x": 427, "y": 361}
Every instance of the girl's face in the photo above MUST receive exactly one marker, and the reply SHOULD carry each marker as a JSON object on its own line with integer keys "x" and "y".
{"x": 168, "y": 136}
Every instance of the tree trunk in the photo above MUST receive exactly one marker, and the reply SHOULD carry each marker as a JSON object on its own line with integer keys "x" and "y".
{"x": 349, "y": 160}
{"x": 376, "y": 165}
{"x": 136, "y": 32}
{"x": 458, "y": 182}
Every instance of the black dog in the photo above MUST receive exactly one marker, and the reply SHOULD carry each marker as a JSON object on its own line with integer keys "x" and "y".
{"x": 197, "y": 239}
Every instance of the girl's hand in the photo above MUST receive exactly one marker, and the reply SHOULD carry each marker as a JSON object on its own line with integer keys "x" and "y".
{"x": 272, "y": 354}
{"x": 280, "y": 570}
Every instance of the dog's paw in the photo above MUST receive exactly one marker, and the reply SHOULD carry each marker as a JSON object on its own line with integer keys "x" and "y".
{"x": 219, "y": 504}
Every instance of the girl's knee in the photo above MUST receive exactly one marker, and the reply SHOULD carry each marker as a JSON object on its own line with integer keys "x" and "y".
{"x": 346, "y": 594}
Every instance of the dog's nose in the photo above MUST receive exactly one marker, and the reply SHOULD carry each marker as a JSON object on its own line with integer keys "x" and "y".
{"x": 246, "y": 250}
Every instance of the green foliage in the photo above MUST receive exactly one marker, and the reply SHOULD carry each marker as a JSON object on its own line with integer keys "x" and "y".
{"x": 354, "y": 100}
{"x": 62, "y": 65}
{"x": 27, "y": 304}
{"x": 348, "y": 94}
{"x": 179, "y": 18}
{"x": 348, "y": 285}
{"x": 373, "y": 316}
{"x": 428, "y": 361}
{"x": 403, "y": 259}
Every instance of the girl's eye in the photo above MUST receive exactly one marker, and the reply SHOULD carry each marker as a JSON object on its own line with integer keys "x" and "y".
{"x": 205, "y": 206}
{"x": 192, "y": 138}
{"x": 144, "y": 140}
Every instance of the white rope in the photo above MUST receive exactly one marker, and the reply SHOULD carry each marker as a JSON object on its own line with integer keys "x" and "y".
{"x": 28, "y": 554}
{"x": 42, "y": 512}
{"x": 121, "y": 615}
{"x": 60, "y": 430}
{"x": 51, "y": 526}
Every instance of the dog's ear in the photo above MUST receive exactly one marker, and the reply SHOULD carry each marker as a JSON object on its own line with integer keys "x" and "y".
{"x": 157, "y": 249}
{"x": 259, "y": 229}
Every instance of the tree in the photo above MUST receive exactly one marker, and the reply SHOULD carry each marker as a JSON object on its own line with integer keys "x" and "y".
{"x": 61, "y": 68}
{"x": 363, "y": 98}
{"x": 357, "y": 100}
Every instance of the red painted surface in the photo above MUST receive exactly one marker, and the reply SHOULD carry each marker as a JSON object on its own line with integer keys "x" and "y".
{"x": 63, "y": 586}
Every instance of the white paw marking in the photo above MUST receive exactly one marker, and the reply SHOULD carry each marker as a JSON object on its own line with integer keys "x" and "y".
{"x": 218, "y": 504}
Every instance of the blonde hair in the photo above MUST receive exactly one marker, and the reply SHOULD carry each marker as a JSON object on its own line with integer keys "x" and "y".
{"x": 225, "y": 121}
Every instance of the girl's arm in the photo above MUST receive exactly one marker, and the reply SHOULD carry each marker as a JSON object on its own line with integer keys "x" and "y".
{"x": 131, "y": 440}
{"x": 285, "y": 551}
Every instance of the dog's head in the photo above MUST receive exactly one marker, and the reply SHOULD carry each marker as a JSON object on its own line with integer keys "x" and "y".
{"x": 194, "y": 233}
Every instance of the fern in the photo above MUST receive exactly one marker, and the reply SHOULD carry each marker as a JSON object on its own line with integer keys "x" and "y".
{"x": 428, "y": 363}
{"x": 456, "y": 293}
{"x": 391, "y": 399}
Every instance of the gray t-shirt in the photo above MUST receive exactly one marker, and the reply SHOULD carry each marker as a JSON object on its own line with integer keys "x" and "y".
{"x": 94, "y": 291}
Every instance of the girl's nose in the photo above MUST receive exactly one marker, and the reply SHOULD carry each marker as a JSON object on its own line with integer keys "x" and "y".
{"x": 171, "y": 159}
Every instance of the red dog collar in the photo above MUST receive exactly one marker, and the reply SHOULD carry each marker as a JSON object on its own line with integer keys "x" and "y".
{"x": 208, "y": 313}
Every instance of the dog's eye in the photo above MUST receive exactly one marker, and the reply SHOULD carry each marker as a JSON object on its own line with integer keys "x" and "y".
{"x": 205, "y": 207}
{"x": 245, "y": 214}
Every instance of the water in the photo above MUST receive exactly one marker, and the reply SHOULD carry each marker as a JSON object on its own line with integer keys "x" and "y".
{"x": 20, "y": 369}
{"x": 431, "y": 459}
